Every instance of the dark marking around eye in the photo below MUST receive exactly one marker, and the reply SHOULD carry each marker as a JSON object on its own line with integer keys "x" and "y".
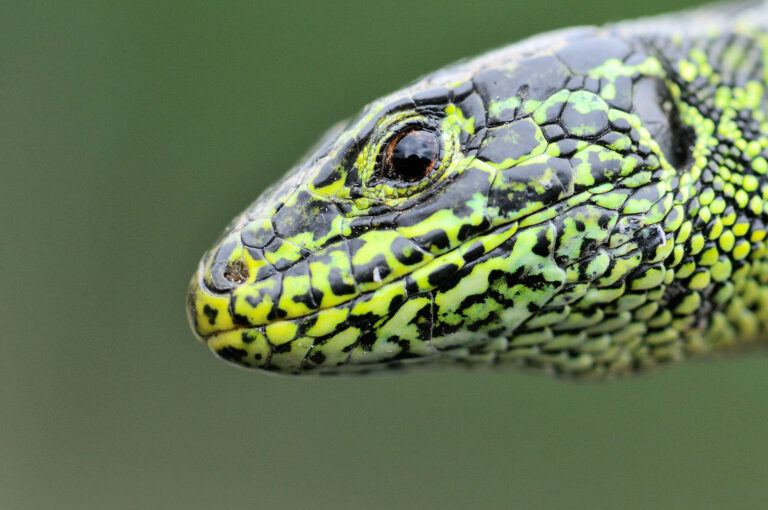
{"x": 410, "y": 156}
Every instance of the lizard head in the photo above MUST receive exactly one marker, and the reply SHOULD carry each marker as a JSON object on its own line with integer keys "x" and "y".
{"x": 501, "y": 209}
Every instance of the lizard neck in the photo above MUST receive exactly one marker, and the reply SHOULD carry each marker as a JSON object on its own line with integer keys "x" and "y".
{"x": 718, "y": 295}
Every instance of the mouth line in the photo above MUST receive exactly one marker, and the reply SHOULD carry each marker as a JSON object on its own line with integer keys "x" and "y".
{"x": 206, "y": 338}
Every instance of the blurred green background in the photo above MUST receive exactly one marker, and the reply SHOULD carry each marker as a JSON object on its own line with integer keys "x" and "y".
{"x": 131, "y": 133}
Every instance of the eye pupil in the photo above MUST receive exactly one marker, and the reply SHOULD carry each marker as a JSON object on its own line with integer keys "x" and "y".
{"x": 410, "y": 157}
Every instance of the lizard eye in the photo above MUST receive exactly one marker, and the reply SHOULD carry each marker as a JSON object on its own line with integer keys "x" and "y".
{"x": 411, "y": 155}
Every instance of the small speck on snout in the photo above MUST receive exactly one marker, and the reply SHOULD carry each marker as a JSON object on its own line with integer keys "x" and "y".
{"x": 236, "y": 272}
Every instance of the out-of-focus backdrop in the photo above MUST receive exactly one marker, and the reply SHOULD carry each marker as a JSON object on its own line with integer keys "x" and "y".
{"x": 130, "y": 134}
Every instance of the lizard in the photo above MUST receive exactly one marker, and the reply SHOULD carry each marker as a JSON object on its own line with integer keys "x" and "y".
{"x": 589, "y": 202}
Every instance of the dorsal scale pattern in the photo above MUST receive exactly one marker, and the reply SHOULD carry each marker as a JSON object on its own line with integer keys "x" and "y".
{"x": 598, "y": 206}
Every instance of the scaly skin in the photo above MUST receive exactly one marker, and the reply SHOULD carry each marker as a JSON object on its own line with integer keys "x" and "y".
{"x": 598, "y": 206}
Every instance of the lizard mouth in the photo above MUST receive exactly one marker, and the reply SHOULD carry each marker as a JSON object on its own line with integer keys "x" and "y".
{"x": 290, "y": 344}
{"x": 206, "y": 306}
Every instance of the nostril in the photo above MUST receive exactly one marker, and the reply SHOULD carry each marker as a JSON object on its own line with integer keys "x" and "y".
{"x": 236, "y": 272}
{"x": 226, "y": 275}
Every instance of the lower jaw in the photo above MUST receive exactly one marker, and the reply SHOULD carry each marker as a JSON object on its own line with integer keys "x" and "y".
{"x": 249, "y": 348}
{"x": 246, "y": 347}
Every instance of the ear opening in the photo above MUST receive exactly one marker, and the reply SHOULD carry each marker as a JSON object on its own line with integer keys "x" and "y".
{"x": 653, "y": 103}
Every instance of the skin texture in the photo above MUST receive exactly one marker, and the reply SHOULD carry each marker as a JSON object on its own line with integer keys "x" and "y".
{"x": 598, "y": 206}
